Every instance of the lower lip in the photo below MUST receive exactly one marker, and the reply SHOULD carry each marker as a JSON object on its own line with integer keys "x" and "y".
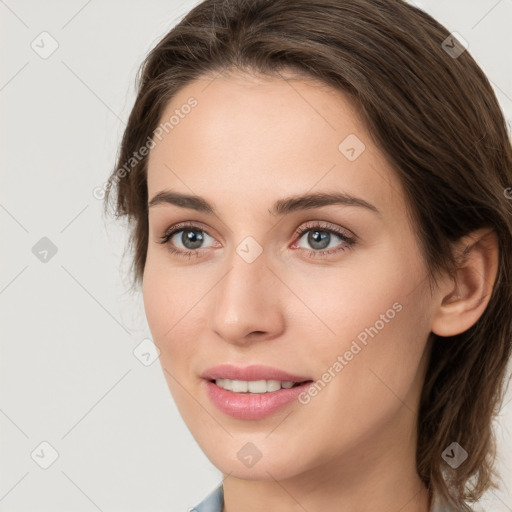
{"x": 248, "y": 406}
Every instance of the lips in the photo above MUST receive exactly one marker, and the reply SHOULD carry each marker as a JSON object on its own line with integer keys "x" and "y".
{"x": 253, "y": 372}
{"x": 252, "y": 406}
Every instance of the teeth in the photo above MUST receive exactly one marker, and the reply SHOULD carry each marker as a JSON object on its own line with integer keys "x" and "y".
{"x": 253, "y": 386}
{"x": 239, "y": 386}
{"x": 257, "y": 386}
{"x": 273, "y": 385}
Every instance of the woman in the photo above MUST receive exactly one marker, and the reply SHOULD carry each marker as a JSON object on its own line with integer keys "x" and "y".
{"x": 321, "y": 229}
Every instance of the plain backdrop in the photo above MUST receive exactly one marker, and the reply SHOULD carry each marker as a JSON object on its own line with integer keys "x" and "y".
{"x": 74, "y": 396}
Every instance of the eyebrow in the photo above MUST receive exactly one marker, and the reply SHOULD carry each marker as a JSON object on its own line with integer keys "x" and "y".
{"x": 280, "y": 207}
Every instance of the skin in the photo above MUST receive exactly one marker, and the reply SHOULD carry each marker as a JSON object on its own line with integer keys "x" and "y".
{"x": 249, "y": 142}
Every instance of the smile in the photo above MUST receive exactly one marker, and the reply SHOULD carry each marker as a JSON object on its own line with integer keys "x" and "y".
{"x": 254, "y": 386}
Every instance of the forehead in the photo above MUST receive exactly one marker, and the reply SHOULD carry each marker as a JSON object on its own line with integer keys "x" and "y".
{"x": 261, "y": 137}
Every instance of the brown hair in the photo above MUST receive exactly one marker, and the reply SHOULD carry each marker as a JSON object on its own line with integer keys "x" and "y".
{"x": 432, "y": 113}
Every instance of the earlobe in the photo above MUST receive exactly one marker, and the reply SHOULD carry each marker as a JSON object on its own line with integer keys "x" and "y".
{"x": 463, "y": 297}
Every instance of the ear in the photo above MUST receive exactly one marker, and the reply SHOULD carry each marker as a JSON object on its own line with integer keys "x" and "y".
{"x": 465, "y": 293}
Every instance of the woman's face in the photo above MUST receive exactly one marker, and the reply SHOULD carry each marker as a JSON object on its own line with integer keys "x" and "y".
{"x": 331, "y": 290}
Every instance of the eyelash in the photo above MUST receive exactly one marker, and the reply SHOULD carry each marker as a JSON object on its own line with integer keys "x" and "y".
{"x": 347, "y": 241}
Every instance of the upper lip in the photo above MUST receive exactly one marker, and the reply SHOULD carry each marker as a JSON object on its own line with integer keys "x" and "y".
{"x": 249, "y": 373}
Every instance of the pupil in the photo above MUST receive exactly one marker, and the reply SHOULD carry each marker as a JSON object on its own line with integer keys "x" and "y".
{"x": 192, "y": 239}
{"x": 319, "y": 239}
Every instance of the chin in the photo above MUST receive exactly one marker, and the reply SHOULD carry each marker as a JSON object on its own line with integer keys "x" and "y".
{"x": 268, "y": 467}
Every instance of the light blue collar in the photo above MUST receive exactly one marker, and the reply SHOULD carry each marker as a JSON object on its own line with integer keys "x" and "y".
{"x": 212, "y": 503}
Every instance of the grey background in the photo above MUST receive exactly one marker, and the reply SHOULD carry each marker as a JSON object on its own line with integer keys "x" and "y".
{"x": 68, "y": 373}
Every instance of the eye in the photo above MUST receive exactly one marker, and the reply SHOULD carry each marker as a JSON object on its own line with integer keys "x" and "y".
{"x": 323, "y": 239}
{"x": 186, "y": 239}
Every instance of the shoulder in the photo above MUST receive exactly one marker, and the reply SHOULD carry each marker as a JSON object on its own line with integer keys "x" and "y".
{"x": 212, "y": 503}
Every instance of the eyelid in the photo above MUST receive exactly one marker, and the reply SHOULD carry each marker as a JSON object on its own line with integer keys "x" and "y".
{"x": 182, "y": 226}
{"x": 347, "y": 237}
{"x": 321, "y": 225}
{"x": 298, "y": 232}
{"x": 169, "y": 233}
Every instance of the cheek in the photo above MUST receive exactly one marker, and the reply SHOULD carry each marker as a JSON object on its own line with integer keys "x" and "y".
{"x": 383, "y": 377}
{"x": 336, "y": 306}
{"x": 369, "y": 335}
{"x": 158, "y": 300}
{"x": 169, "y": 298}
{"x": 170, "y": 316}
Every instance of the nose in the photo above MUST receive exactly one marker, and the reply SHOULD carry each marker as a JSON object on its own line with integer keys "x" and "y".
{"x": 246, "y": 303}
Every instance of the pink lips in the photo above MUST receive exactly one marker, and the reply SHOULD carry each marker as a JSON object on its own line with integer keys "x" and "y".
{"x": 249, "y": 406}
